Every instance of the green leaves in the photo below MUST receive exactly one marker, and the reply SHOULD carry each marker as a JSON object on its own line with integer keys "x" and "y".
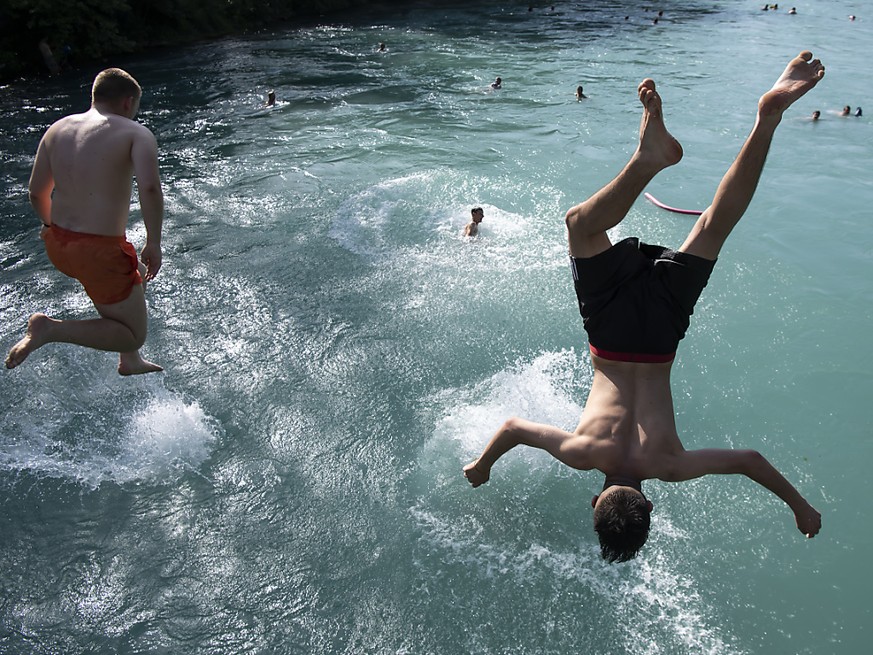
{"x": 80, "y": 30}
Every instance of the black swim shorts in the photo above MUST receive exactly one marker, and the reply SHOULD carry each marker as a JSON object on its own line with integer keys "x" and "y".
{"x": 636, "y": 299}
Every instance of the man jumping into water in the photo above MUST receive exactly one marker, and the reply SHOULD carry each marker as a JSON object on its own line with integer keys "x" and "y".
{"x": 80, "y": 188}
{"x": 636, "y": 301}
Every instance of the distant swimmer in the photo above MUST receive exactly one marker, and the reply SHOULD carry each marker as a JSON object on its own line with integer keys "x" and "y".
{"x": 472, "y": 228}
{"x": 80, "y": 187}
{"x": 579, "y": 94}
{"x": 382, "y": 48}
{"x": 816, "y": 115}
{"x": 497, "y": 84}
{"x": 792, "y": 11}
{"x": 271, "y": 99}
{"x": 48, "y": 57}
{"x": 636, "y": 302}
{"x": 846, "y": 111}
{"x": 858, "y": 112}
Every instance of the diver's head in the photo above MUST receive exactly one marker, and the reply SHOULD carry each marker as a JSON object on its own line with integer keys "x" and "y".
{"x": 622, "y": 516}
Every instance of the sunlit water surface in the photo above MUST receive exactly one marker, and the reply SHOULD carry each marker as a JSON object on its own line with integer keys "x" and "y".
{"x": 335, "y": 350}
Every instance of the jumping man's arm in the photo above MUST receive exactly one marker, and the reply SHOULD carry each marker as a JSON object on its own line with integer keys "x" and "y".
{"x": 752, "y": 464}
{"x": 42, "y": 182}
{"x": 569, "y": 448}
{"x": 144, "y": 154}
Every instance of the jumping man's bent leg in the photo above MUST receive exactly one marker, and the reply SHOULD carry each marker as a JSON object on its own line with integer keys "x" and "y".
{"x": 131, "y": 362}
{"x": 588, "y": 221}
{"x": 121, "y": 329}
{"x": 738, "y": 185}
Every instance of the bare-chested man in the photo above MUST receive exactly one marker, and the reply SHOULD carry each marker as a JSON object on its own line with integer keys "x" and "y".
{"x": 471, "y": 229}
{"x": 80, "y": 187}
{"x": 636, "y": 301}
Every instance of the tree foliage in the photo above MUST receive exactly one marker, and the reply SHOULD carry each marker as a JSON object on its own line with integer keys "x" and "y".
{"x": 82, "y": 30}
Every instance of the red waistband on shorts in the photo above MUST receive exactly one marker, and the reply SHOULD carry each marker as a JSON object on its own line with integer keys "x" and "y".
{"x": 64, "y": 234}
{"x": 639, "y": 358}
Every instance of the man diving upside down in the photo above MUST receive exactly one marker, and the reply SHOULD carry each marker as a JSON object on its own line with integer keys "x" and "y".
{"x": 636, "y": 301}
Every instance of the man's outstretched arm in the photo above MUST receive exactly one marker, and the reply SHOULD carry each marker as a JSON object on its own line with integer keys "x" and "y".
{"x": 696, "y": 463}
{"x": 571, "y": 449}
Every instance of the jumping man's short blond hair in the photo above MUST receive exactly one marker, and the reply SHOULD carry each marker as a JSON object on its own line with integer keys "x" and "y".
{"x": 114, "y": 84}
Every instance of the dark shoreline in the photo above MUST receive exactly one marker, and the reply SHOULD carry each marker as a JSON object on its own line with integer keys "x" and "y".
{"x": 39, "y": 38}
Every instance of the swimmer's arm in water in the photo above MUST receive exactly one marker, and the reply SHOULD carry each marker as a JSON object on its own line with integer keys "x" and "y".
{"x": 41, "y": 184}
{"x": 571, "y": 449}
{"x": 691, "y": 464}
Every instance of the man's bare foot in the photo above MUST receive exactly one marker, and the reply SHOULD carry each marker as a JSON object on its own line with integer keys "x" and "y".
{"x": 37, "y": 326}
{"x": 132, "y": 363}
{"x": 657, "y": 145}
{"x": 802, "y": 73}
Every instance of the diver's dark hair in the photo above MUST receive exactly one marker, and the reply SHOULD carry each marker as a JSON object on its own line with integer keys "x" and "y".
{"x": 622, "y": 521}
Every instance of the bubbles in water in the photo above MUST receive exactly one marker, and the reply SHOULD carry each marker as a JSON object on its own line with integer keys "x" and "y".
{"x": 545, "y": 390}
{"x": 90, "y": 429}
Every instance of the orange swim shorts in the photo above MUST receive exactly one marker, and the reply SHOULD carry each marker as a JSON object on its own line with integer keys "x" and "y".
{"x": 105, "y": 265}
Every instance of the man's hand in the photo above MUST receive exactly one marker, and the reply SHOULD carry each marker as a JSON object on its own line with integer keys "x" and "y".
{"x": 808, "y": 521}
{"x": 151, "y": 256}
{"x": 476, "y": 476}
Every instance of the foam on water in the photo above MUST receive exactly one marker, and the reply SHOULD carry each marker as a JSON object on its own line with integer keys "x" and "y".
{"x": 386, "y": 224}
{"x": 381, "y": 219}
{"x": 653, "y": 606}
{"x": 545, "y": 390}
{"x": 96, "y": 427}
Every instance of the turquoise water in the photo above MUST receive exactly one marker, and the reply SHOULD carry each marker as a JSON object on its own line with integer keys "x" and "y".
{"x": 335, "y": 351}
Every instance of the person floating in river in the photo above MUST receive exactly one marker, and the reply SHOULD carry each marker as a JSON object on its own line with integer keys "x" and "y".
{"x": 636, "y": 301}
{"x": 471, "y": 229}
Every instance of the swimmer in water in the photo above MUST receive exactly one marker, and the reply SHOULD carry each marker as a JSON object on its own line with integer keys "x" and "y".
{"x": 628, "y": 429}
{"x": 472, "y": 228}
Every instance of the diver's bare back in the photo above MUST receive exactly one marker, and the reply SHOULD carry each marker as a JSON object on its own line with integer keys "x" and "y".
{"x": 629, "y": 419}
{"x": 92, "y": 198}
